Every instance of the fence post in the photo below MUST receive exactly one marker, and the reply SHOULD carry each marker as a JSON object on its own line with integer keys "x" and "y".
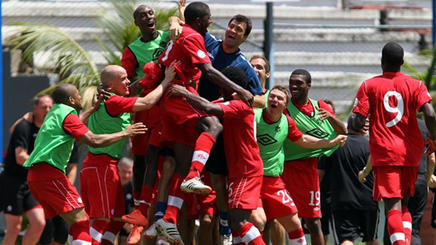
{"x": 268, "y": 47}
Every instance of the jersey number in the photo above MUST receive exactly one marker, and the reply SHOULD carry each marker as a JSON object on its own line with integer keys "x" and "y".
{"x": 314, "y": 198}
{"x": 399, "y": 109}
{"x": 285, "y": 197}
{"x": 170, "y": 46}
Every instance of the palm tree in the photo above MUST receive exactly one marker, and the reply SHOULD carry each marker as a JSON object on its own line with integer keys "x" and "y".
{"x": 65, "y": 57}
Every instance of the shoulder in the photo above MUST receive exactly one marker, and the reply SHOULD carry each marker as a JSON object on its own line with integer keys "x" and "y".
{"x": 23, "y": 127}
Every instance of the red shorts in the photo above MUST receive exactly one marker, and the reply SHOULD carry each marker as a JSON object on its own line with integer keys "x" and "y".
{"x": 206, "y": 204}
{"x": 275, "y": 198}
{"x": 179, "y": 119}
{"x": 101, "y": 187}
{"x": 244, "y": 192}
{"x": 302, "y": 182}
{"x": 394, "y": 181}
{"x": 52, "y": 189}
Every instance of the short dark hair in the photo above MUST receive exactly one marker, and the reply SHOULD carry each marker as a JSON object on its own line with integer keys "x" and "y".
{"x": 244, "y": 19}
{"x": 284, "y": 90}
{"x": 353, "y": 123}
{"x": 62, "y": 93}
{"x": 237, "y": 75}
{"x": 304, "y": 73}
{"x": 392, "y": 54}
{"x": 267, "y": 65}
{"x": 135, "y": 13}
{"x": 195, "y": 10}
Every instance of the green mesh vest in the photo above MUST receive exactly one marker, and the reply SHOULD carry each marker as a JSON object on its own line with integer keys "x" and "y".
{"x": 148, "y": 51}
{"x": 311, "y": 126}
{"x": 100, "y": 122}
{"x": 53, "y": 145}
{"x": 270, "y": 138}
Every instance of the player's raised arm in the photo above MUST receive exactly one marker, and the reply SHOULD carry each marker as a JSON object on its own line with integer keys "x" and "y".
{"x": 222, "y": 81}
{"x": 195, "y": 100}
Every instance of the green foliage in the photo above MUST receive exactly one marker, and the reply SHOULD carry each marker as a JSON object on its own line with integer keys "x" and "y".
{"x": 428, "y": 77}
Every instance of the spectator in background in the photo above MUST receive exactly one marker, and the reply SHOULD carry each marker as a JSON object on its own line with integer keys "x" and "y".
{"x": 15, "y": 196}
{"x": 353, "y": 212}
{"x": 125, "y": 171}
{"x": 262, "y": 68}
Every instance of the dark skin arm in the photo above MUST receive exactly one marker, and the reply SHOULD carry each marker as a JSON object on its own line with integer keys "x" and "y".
{"x": 337, "y": 125}
{"x": 195, "y": 100}
{"x": 222, "y": 81}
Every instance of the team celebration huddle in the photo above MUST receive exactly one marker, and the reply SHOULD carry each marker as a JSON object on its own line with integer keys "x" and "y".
{"x": 211, "y": 144}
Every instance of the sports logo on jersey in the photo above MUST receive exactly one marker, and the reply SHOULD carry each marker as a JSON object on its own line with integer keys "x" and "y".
{"x": 157, "y": 52}
{"x": 201, "y": 54}
{"x": 356, "y": 101}
{"x": 266, "y": 139}
{"x": 318, "y": 133}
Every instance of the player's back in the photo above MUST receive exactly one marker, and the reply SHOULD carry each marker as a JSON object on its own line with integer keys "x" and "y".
{"x": 189, "y": 50}
{"x": 393, "y": 101}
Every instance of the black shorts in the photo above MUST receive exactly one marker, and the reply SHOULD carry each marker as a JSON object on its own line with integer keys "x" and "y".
{"x": 15, "y": 196}
{"x": 352, "y": 224}
{"x": 56, "y": 229}
{"x": 217, "y": 163}
{"x": 326, "y": 214}
{"x": 433, "y": 212}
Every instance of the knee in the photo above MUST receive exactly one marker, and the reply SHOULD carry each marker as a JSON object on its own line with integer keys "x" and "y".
{"x": 258, "y": 220}
{"x": 206, "y": 222}
{"x": 313, "y": 224}
{"x": 215, "y": 127}
{"x": 38, "y": 224}
{"x": 14, "y": 227}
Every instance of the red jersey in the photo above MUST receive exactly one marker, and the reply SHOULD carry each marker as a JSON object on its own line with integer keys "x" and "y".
{"x": 74, "y": 126}
{"x": 117, "y": 105}
{"x": 392, "y": 100}
{"x": 308, "y": 108}
{"x": 189, "y": 49}
{"x": 240, "y": 145}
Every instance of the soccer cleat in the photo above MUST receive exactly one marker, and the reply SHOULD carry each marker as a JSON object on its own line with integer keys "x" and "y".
{"x": 196, "y": 186}
{"x": 169, "y": 232}
{"x": 136, "y": 218}
{"x": 226, "y": 239}
{"x": 151, "y": 232}
{"x": 135, "y": 235}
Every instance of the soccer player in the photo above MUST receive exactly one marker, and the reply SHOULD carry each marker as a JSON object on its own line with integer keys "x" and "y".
{"x": 353, "y": 212}
{"x": 262, "y": 68}
{"x": 301, "y": 165}
{"x": 180, "y": 117}
{"x": 99, "y": 180}
{"x": 242, "y": 154}
{"x": 16, "y": 197}
{"x": 396, "y": 144}
{"x": 47, "y": 163}
{"x": 273, "y": 127}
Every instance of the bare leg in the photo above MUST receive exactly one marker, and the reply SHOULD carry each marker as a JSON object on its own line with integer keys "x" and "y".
{"x": 13, "y": 227}
{"x": 36, "y": 226}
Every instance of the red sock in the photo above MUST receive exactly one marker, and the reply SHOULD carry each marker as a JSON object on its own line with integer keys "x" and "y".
{"x": 97, "y": 231}
{"x": 145, "y": 199}
{"x": 201, "y": 153}
{"x": 395, "y": 227}
{"x": 296, "y": 237}
{"x": 407, "y": 224}
{"x": 175, "y": 199}
{"x": 112, "y": 229}
{"x": 249, "y": 234}
{"x": 79, "y": 233}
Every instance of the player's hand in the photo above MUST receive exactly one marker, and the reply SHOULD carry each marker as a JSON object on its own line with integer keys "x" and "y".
{"x": 246, "y": 96}
{"x": 361, "y": 176}
{"x": 323, "y": 113}
{"x": 128, "y": 227}
{"x": 101, "y": 91}
{"x": 432, "y": 182}
{"x": 181, "y": 8}
{"x": 28, "y": 116}
{"x": 431, "y": 146}
{"x": 135, "y": 129}
{"x": 341, "y": 139}
{"x": 177, "y": 91}
{"x": 175, "y": 30}
{"x": 170, "y": 73}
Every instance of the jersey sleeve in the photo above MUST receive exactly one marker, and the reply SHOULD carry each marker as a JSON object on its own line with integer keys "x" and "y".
{"x": 74, "y": 126}
{"x": 116, "y": 105}
{"x": 326, "y": 107}
{"x": 210, "y": 42}
{"x": 361, "y": 102}
{"x": 422, "y": 96}
{"x": 294, "y": 133}
{"x": 129, "y": 62}
{"x": 233, "y": 108}
{"x": 20, "y": 136}
{"x": 195, "y": 49}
